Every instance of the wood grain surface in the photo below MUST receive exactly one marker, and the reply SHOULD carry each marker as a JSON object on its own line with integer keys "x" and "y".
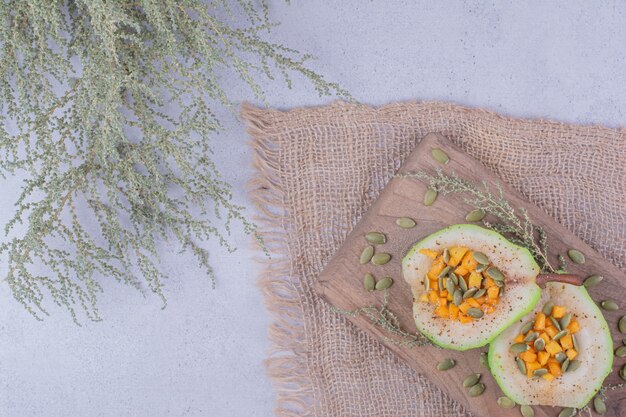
{"x": 341, "y": 282}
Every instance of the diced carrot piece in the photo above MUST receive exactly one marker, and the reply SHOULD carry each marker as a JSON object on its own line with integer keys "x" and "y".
{"x": 436, "y": 267}
{"x": 443, "y": 302}
{"x": 548, "y": 377}
{"x": 566, "y": 342}
{"x": 490, "y": 309}
{"x": 475, "y": 279}
{"x": 434, "y": 283}
{"x": 551, "y": 330}
{"x": 464, "y": 307}
{"x": 540, "y": 321}
{"x": 433, "y": 297}
{"x": 528, "y": 356}
{"x": 463, "y": 318}
{"x": 456, "y": 254}
{"x": 450, "y": 297}
{"x": 489, "y": 283}
{"x": 469, "y": 262}
{"x": 573, "y": 326}
{"x": 545, "y": 337}
{"x": 554, "y": 369}
{"x": 461, "y": 271}
{"x": 543, "y": 357}
{"x": 493, "y": 292}
{"x": 481, "y": 300}
{"x": 553, "y": 348}
{"x": 453, "y": 312}
{"x": 531, "y": 367}
{"x": 558, "y": 312}
{"x": 424, "y": 297}
{"x": 432, "y": 254}
{"x": 571, "y": 354}
{"x": 519, "y": 338}
{"x": 442, "y": 311}
{"x": 472, "y": 301}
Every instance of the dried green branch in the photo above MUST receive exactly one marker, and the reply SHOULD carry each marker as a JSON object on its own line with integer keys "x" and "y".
{"x": 127, "y": 142}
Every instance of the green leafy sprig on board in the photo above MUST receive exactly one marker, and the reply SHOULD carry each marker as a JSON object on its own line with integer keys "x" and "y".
{"x": 126, "y": 146}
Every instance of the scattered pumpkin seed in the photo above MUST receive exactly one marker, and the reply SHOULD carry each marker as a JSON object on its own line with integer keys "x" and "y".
{"x": 568, "y": 412}
{"x": 426, "y": 283}
{"x": 531, "y": 337}
{"x": 405, "y": 222}
{"x": 622, "y": 372}
{"x": 556, "y": 323}
{"x": 440, "y": 156}
{"x": 609, "y": 305}
{"x": 573, "y": 365}
{"x": 495, "y": 274}
{"x": 366, "y": 255}
{"x": 539, "y": 344}
{"x": 565, "y": 365}
{"x": 499, "y": 283}
{"x": 592, "y": 280}
{"x": 381, "y": 258}
{"x": 440, "y": 282}
{"x": 620, "y": 352}
{"x": 547, "y": 308}
{"x": 560, "y": 334}
{"x": 576, "y": 256}
{"x": 369, "y": 282}
{"x": 480, "y": 257}
{"x": 446, "y": 364}
{"x": 621, "y": 324}
{"x": 471, "y": 380}
{"x": 599, "y": 406}
{"x": 475, "y": 215}
{"x": 376, "y": 238}
{"x": 446, "y": 255}
{"x": 384, "y": 283}
{"x": 526, "y": 328}
{"x": 450, "y": 286}
{"x": 575, "y": 343}
{"x": 469, "y": 293}
{"x": 454, "y": 278}
{"x": 430, "y": 196}
{"x": 519, "y": 347}
{"x": 462, "y": 284}
{"x": 565, "y": 320}
{"x": 457, "y": 297}
{"x": 476, "y": 390}
{"x": 484, "y": 360}
{"x": 540, "y": 372}
{"x": 481, "y": 267}
{"x": 480, "y": 293}
{"x": 444, "y": 271}
{"x": 475, "y": 312}
{"x": 506, "y": 402}
{"x": 560, "y": 357}
{"x": 527, "y": 411}
{"x": 521, "y": 365}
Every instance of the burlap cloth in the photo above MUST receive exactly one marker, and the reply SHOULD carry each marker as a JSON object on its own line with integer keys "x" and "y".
{"x": 319, "y": 169}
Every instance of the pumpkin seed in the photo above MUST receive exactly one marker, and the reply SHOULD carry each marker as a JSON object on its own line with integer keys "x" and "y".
{"x": 481, "y": 258}
{"x": 430, "y": 196}
{"x": 469, "y": 293}
{"x": 480, "y": 293}
{"x": 565, "y": 365}
{"x": 484, "y": 360}
{"x": 457, "y": 298}
{"x": 620, "y": 352}
{"x": 573, "y": 365}
{"x": 592, "y": 280}
{"x": 381, "y": 258}
{"x": 547, "y": 308}
{"x": 462, "y": 284}
{"x": 565, "y": 320}
{"x": 506, "y": 402}
{"x": 609, "y": 305}
{"x": 450, "y": 286}
{"x": 475, "y": 215}
{"x": 555, "y": 323}
{"x": 540, "y": 372}
{"x": 454, "y": 278}
{"x": 531, "y": 337}
{"x": 521, "y": 365}
{"x": 495, "y": 274}
{"x": 476, "y": 390}
{"x": 376, "y": 238}
{"x": 446, "y": 255}
{"x": 560, "y": 334}
{"x": 527, "y": 411}
{"x": 576, "y": 256}
{"x": 446, "y": 364}
{"x": 560, "y": 357}
{"x": 444, "y": 271}
{"x": 475, "y": 312}
{"x": 405, "y": 222}
{"x": 481, "y": 267}
{"x": 426, "y": 283}
{"x": 568, "y": 412}
{"x": 539, "y": 344}
{"x": 440, "y": 156}
{"x": 526, "y": 328}
{"x": 499, "y": 283}
{"x": 575, "y": 343}
{"x": 384, "y": 283}
{"x": 471, "y": 380}
{"x": 366, "y": 255}
{"x": 440, "y": 283}
{"x": 519, "y": 347}
{"x": 599, "y": 406}
{"x": 369, "y": 282}
{"x": 621, "y": 324}
{"x": 622, "y": 373}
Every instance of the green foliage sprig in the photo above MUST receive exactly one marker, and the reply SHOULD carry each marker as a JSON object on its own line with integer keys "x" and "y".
{"x": 127, "y": 144}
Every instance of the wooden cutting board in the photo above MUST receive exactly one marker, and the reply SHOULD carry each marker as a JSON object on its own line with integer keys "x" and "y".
{"x": 341, "y": 282}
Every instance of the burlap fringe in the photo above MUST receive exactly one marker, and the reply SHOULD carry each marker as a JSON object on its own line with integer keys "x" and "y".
{"x": 285, "y": 367}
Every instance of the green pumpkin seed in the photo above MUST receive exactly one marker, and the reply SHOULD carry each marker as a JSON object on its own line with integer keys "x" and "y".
{"x": 593, "y": 280}
{"x": 622, "y": 372}
{"x": 450, "y": 286}
{"x": 366, "y": 255}
{"x": 476, "y": 390}
{"x": 495, "y": 274}
{"x": 480, "y": 257}
{"x": 475, "y": 215}
{"x": 556, "y": 323}
{"x": 471, "y": 380}
{"x": 446, "y": 255}
{"x": 576, "y": 256}
{"x": 526, "y": 328}
{"x": 506, "y": 402}
{"x": 381, "y": 258}
{"x": 484, "y": 360}
{"x": 565, "y": 320}
{"x": 499, "y": 283}
{"x": 531, "y": 337}
{"x": 620, "y": 352}
{"x": 560, "y": 357}
{"x": 475, "y": 312}
{"x": 540, "y": 372}
{"x": 547, "y": 308}
{"x": 446, "y": 364}
{"x": 430, "y": 196}
{"x": 527, "y": 411}
{"x": 469, "y": 293}
{"x": 440, "y": 156}
{"x": 565, "y": 365}
{"x": 444, "y": 271}
{"x": 376, "y": 238}
{"x": 384, "y": 283}
{"x": 405, "y": 222}
{"x": 521, "y": 365}
{"x": 519, "y": 347}
{"x": 454, "y": 278}
{"x": 568, "y": 412}
{"x": 457, "y": 298}
{"x": 599, "y": 406}
{"x": 561, "y": 334}
{"x": 573, "y": 365}
{"x": 480, "y": 293}
{"x": 440, "y": 283}
{"x": 462, "y": 284}
{"x": 575, "y": 343}
{"x": 621, "y": 324}
{"x": 539, "y": 344}
{"x": 426, "y": 283}
{"x": 609, "y": 305}
{"x": 481, "y": 267}
{"x": 369, "y": 282}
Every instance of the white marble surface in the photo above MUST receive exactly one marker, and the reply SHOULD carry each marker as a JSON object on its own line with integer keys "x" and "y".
{"x": 202, "y": 356}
